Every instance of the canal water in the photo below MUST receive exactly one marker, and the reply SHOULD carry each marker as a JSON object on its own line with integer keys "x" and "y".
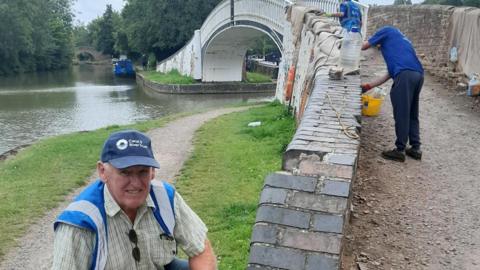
{"x": 86, "y": 97}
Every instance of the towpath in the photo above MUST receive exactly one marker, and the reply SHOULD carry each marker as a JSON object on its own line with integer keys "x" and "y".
{"x": 172, "y": 145}
{"x": 418, "y": 215}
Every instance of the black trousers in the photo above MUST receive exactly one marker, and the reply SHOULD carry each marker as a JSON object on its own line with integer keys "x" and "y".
{"x": 405, "y": 95}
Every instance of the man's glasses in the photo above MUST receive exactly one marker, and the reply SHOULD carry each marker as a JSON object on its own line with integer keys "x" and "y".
{"x": 132, "y": 235}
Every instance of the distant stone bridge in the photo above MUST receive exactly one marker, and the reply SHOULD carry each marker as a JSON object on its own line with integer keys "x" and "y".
{"x": 94, "y": 54}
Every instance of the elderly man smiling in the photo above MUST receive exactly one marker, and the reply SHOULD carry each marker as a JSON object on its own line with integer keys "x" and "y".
{"x": 126, "y": 221}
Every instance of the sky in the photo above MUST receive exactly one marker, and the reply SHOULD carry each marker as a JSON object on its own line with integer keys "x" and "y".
{"x": 87, "y": 10}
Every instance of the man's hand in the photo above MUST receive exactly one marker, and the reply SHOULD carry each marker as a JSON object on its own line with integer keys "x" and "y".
{"x": 365, "y": 87}
{"x": 365, "y": 45}
{"x": 205, "y": 260}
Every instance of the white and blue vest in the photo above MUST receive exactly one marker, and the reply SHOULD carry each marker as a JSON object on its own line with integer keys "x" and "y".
{"x": 88, "y": 211}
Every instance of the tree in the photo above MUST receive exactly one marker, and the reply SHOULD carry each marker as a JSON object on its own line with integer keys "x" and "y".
{"x": 471, "y": 3}
{"x": 163, "y": 26}
{"x": 105, "y": 39}
{"x": 402, "y": 2}
{"x": 263, "y": 46}
{"x": 35, "y": 35}
{"x": 81, "y": 36}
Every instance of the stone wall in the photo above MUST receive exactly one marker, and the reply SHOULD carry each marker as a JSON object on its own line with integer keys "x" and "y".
{"x": 205, "y": 88}
{"x": 304, "y": 208}
{"x": 428, "y": 27}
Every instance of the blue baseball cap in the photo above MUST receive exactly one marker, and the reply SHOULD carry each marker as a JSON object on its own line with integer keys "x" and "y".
{"x": 128, "y": 148}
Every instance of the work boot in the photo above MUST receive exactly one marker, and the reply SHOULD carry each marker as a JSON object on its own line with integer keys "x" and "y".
{"x": 414, "y": 153}
{"x": 395, "y": 155}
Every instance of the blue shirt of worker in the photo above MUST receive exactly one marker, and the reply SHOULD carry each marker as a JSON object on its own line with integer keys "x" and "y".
{"x": 397, "y": 51}
{"x": 352, "y": 17}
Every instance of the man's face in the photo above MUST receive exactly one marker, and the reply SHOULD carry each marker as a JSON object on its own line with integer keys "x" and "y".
{"x": 129, "y": 187}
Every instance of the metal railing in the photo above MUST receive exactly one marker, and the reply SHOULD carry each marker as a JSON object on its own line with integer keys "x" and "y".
{"x": 270, "y": 13}
{"x": 267, "y": 12}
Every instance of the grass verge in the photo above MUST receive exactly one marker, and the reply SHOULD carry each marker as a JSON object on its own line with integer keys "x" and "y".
{"x": 223, "y": 178}
{"x": 40, "y": 176}
{"x": 221, "y": 181}
{"x": 172, "y": 77}
{"x": 253, "y": 77}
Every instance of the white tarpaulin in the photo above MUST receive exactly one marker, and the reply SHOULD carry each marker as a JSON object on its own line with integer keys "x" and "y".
{"x": 465, "y": 36}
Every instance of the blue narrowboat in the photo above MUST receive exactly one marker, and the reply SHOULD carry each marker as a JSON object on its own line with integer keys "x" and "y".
{"x": 124, "y": 68}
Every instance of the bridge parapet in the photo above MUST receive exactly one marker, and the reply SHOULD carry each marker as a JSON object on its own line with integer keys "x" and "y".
{"x": 209, "y": 58}
{"x": 304, "y": 209}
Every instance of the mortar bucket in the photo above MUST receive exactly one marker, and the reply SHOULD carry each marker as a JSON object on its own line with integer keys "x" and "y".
{"x": 371, "y": 106}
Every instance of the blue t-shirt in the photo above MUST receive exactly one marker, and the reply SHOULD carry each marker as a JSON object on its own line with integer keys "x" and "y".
{"x": 397, "y": 50}
{"x": 352, "y": 16}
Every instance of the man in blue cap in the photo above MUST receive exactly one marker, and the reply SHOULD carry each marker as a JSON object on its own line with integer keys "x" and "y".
{"x": 350, "y": 15}
{"x": 407, "y": 73}
{"x": 126, "y": 221}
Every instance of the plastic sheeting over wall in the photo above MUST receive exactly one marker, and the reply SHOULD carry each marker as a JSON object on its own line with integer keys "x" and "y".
{"x": 465, "y": 36}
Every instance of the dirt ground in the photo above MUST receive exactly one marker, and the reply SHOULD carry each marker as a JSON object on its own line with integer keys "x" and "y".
{"x": 172, "y": 145}
{"x": 418, "y": 214}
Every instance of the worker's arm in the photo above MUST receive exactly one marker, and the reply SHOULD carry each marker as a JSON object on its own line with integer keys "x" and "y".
{"x": 205, "y": 260}
{"x": 376, "y": 82}
{"x": 365, "y": 45}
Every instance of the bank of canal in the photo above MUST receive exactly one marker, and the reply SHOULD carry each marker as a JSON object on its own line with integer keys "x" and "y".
{"x": 86, "y": 97}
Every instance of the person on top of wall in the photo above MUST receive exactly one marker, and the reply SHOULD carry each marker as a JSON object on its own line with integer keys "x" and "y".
{"x": 125, "y": 221}
{"x": 350, "y": 15}
{"x": 407, "y": 73}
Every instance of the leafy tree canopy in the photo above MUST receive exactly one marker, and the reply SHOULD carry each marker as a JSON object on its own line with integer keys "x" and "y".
{"x": 402, "y": 2}
{"x": 469, "y": 3}
{"x": 163, "y": 26}
{"x": 35, "y": 35}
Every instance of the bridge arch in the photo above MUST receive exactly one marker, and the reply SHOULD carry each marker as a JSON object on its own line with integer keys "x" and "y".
{"x": 224, "y": 53}
{"x": 216, "y": 53}
{"x": 92, "y": 52}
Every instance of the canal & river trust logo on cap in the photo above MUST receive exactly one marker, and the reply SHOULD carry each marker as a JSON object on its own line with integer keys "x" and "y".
{"x": 128, "y": 148}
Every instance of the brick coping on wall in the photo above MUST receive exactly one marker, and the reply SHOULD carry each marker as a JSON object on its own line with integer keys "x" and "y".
{"x": 303, "y": 210}
{"x": 207, "y": 88}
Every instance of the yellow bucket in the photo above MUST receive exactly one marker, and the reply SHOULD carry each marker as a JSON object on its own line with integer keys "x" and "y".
{"x": 371, "y": 106}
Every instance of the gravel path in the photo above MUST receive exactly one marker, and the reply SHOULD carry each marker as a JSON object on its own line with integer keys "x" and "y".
{"x": 172, "y": 145}
{"x": 418, "y": 215}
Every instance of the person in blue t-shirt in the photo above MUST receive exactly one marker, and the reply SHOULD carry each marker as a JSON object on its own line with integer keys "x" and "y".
{"x": 407, "y": 73}
{"x": 349, "y": 15}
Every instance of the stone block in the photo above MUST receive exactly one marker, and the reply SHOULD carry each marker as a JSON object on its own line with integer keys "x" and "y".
{"x": 285, "y": 258}
{"x": 320, "y": 261}
{"x": 264, "y": 233}
{"x": 283, "y": 216}
{"x": 318, "y": 168}
{"x": 291, "y": 157}
{"x": 323, "y": 203}
{"x": 273, "y": 195}
{"x": 311, "y": 241}
{"x": 327, "y": 223}
{"x": 341, "y": 159}
{"x": 302, "y": 183}
{"x": 336, "y": 188}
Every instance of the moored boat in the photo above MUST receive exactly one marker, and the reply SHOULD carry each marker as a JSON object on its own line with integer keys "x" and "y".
{"x": 124, "y": 68}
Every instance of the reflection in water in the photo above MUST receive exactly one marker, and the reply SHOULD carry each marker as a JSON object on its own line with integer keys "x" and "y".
{"x": 86, "y": 97}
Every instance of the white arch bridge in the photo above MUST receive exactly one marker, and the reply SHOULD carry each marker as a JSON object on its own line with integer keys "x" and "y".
{"x": 217, "y": 50}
